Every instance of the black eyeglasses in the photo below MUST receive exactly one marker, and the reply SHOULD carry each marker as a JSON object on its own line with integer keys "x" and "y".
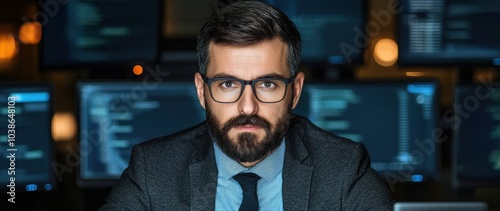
{"x": 229, "y": 90}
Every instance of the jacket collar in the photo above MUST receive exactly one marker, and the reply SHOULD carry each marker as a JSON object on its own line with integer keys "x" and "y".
{"x": 297, "y": 169}
{"x": 203, "y": 172}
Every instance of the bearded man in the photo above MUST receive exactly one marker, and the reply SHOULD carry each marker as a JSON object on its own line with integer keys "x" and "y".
{"x": 252, "y": 153}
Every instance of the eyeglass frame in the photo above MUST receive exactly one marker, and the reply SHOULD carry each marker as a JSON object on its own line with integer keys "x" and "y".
{"x": 209, "y": 81}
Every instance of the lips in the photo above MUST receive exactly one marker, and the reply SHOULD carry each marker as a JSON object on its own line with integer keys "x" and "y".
{"x": 248, "y": 128}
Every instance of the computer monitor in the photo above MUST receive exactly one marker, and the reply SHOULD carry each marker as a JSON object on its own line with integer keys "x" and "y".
{"x": 476, "y": 140}
{"x": 396, "y": 121}
{"x": 99, "y": 35}
{"x": 446, "y": 33}
{"x": 26, "y": 142}
{"x": 329, "y": 29}
{"x": 115, "y": 116}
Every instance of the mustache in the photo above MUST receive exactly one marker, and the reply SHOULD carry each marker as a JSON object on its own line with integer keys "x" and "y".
{"x": 242, "y": 120}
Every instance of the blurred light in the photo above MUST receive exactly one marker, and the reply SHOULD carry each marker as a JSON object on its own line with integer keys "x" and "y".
{"x": 137, "y": 70}
{"x": 31, "y": 187}
{"x": 385, "y": 52}
{"x": 8, "y": 46}
{"x": 417, "y": 178}
{"x": 414, "y": 74}
{"x": 32, "y": 97}
{"x": 336, "y": 60}
{"x": 30, "y": 33}
{"x": 496, "y": 61}
{"x": 48, "y": 186}
{"x": 63, "y": 127}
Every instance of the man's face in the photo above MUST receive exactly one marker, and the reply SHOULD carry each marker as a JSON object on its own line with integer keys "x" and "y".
{"x": 248, "y": 130}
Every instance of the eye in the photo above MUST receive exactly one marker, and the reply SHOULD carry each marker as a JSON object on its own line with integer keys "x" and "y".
{"x": 267, "y": 84}
{"x": 228, "y": 84}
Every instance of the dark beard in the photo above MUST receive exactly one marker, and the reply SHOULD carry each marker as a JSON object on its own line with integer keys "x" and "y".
{"x": 247, "y": 148}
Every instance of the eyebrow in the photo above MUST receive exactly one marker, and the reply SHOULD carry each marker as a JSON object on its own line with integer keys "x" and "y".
{"x": 272, "y": 75}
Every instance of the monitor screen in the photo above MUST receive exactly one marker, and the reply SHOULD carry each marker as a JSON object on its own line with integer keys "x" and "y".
{"x": 396, "y": 121}
{"x": 457, "y": 32}
{"x": 25, "y": 137}
{"x": 329, "y": 29}
{"x": 115, "y": 116}
{"x": 476, "y": 136}
{"x": 99, "y": 34}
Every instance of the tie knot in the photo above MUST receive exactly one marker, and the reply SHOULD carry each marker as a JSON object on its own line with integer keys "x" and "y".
{"x": 247, "y": 181}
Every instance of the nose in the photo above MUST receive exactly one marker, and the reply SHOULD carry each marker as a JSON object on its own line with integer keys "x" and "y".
{"x": 248, "y": 104}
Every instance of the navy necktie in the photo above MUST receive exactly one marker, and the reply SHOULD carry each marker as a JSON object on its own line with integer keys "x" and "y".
{"x": 248, "y": 183}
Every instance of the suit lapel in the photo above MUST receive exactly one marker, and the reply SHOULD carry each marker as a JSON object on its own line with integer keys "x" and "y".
{"x": 296, "y": 185}
{"x": 203, "y": 186}
{"x": 203, "y": 177}
{"x": 296, "y": 174}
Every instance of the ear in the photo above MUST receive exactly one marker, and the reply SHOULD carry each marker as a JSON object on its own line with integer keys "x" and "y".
{"x": 200, "y": 88}
{"x": 297, "y": 88}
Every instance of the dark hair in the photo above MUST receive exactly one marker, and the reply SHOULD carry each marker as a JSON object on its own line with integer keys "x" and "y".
{"x": 245, "y": 23}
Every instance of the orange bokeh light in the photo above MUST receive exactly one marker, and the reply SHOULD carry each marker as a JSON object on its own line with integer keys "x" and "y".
{"x": 137, "y": 70}
{"x": 30, "y": 33}
{"x": 385, "y": 52}
{"x": 63, "y": 126}
{"x": 8, "y": 46}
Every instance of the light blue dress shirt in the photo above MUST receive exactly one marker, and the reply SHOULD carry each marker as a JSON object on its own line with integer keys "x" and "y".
{"x": 229, "y": 194}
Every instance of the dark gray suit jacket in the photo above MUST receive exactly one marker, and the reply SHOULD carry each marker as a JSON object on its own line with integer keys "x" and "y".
{"x": 321, "y": 172}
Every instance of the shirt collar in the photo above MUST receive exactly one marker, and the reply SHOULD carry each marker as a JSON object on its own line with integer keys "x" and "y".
{"x": 267, "y": 169}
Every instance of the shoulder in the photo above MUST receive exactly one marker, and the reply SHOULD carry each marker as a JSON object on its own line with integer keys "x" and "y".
{"x": 341, "y": 167}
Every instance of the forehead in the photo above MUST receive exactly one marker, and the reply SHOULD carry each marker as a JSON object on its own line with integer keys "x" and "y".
{"x": 269, "y": 57}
